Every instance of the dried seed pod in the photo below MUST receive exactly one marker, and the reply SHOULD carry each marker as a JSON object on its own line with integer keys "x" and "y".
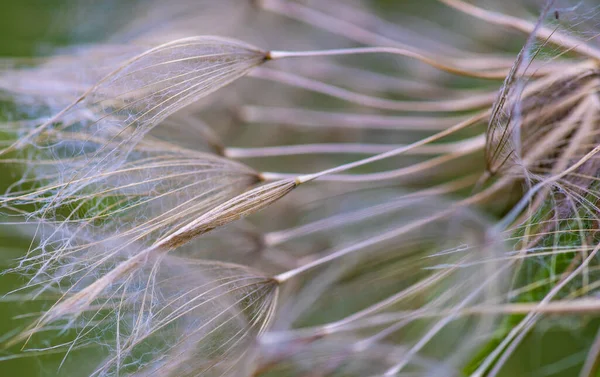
{"x": 231, "y": 210}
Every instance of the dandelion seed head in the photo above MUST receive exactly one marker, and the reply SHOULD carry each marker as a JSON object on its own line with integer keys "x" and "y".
{"x": 187, "y": 225}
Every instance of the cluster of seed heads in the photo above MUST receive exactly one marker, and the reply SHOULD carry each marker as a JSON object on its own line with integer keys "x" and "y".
{"x": 152, "y": 176}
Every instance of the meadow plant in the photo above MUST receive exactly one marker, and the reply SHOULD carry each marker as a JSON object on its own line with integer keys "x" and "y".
{"x": 409, "y": 193}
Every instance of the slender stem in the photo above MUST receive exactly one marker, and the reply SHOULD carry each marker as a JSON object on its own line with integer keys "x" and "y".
{"x": 326, "y": 22}
{"x": 432, "y": 61}
{"x": 331, "y": 148}
{"x": 359, "y": 34}
{"x": 524, "y": 26}
{"x": 281, "y": 236}
{"x": 407, "y": 171}
{"x": 462, "y": 147}
{"x": 394, "y": 152}
{"x": 285, "y": 276}
{"x": 437, "y": 327}
{"x": 321, "y": 119}
{"x": 592, "y": 361}
{"x": 459, "y": 104}
{"x": 524, "y": 326}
